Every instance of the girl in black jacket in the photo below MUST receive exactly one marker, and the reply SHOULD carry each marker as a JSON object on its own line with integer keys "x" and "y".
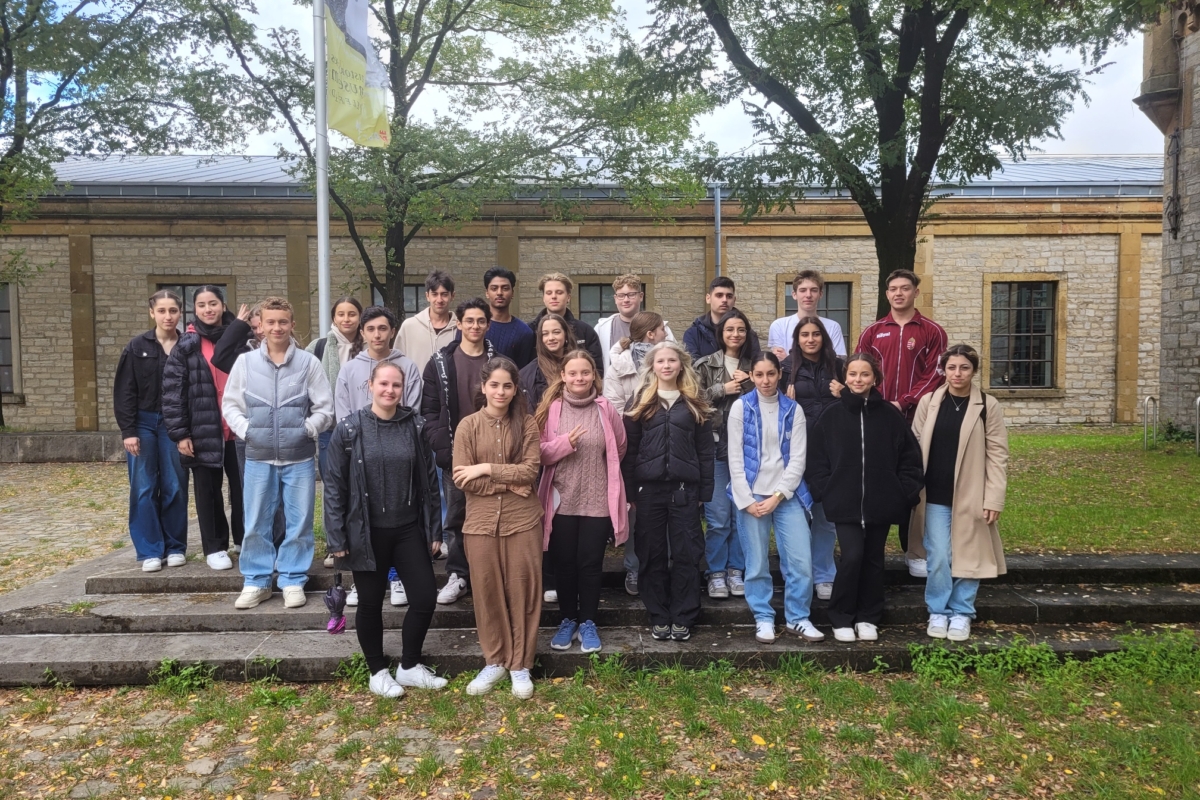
{"x": 865, "y": 468}
{"x": 157, "y": 481}
{"x": 382, "y": 510}
{"x": 668, "y": 468}
{"x": 551, "y": 339}
{"x": 193, "y": 385}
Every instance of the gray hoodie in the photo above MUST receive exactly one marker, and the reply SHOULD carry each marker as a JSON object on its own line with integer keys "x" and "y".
{"x": 352, "y": 393}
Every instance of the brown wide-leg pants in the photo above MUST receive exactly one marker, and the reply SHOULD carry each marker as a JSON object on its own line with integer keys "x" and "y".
{"x": 506, "y": 582}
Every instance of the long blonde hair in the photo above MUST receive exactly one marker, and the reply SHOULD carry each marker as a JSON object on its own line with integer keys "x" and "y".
{"x": 646, "y": 400}
{"x": 557, "y": 386}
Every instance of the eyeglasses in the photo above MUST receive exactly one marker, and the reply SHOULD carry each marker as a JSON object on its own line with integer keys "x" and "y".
{"x": 628, "y": 295}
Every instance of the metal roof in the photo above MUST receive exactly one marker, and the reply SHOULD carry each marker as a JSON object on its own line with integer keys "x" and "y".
{"x": 269, "y": 176}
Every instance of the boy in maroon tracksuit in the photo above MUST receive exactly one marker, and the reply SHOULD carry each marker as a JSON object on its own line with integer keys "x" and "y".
{"x": 908, "y": 345}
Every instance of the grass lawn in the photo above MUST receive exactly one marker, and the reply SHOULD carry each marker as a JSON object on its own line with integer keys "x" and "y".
{"x": 1096, "y": 491}
{"x": 1015, "y": 724}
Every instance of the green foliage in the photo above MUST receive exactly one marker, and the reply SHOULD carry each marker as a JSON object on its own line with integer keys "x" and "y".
{"x": 950, "y": 666}
{"x": 173, "y": 678}
{"x": 354, "y": 671}
{"x": 1164, "y": 658}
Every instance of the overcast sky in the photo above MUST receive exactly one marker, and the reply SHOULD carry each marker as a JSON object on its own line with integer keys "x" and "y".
{"x": 1110, "y": 124}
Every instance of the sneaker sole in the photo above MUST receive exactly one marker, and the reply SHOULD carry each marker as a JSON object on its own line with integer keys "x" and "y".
{"x": 763, "y": 640}
{"x": 476, "y": 691}
{"x": 718, "y": 595}
{"x": 732, "y": 593}
{"x": 523, "y": 694}
{"x": 806, "y": 637}
{"x": 566, "y": 646}
{"x": 958, "y": 637}
{"x": 936, "y": 634}
{"x": 243, "y": 607}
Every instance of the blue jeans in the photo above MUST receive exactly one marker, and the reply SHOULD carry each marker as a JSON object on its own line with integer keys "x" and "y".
{"x": 722, "y": 547}
{"x": 824, "y": 537}
{"x": 442, "y": 495}
{"x": 322, "y": 445}
{"x": 266, "y": 487}
{"x": 945, "y": 594}
{"x": 792, "y": 539}
{"x": 158, "y": 500}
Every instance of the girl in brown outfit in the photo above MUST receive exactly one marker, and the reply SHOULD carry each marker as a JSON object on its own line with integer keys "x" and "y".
{"x": 497, "y": 454}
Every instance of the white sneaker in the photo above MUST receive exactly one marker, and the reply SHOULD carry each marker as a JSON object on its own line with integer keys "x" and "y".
{"x": 152, "y": 565}
{"x": 251, "y": 596}
{"x": 960, "y": 628}
{"x": 764, "y": 631}
{"x": 328, "y": 562}
{"x": 352, "y": 596}
{"x": 455, "y": 588}
{"x": 938, "y": 623}
{"x": 917, "y": 567}
{"x": 866, "y": 632}
{"x": 176, "y": 560}
{"x": 487, "y": 678}
{"x": 234, "y": 549}
{"x": 522, "y": 684}
{"x": 294, "y": 597}
{"x": 444, "y": 552}
{"x": 844, "y": 634}
{"x": 824, "y": 591}
{"x": 420, "y": 677}
{"x": 399, "y": 596}
{"x": 550, "y": 596}
{"x": 806, "y": 629}
{"x": 383, "y": 684}
{"x": 219, "y": 560}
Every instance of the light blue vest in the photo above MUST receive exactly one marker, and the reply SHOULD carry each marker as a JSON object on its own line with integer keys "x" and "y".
{"x": 752, "y": 439}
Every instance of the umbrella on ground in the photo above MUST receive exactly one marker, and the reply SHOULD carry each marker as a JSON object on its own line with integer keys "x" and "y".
{"x": 335, "y": 601}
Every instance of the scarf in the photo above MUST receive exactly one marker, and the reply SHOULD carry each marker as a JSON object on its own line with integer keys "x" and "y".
{"x": 213, "y": 332}
{"x": 638, "y": 350}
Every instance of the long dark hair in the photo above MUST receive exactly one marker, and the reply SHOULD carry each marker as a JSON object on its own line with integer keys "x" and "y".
{"x": 372, "y": 312}
{"x": 733, "y": 313}
{"x": 827, "y": 358}
{"x": 358, "y": 340}
{"x": 551, "y": 363}
{"x": 518, "y": 409}
{"x": 872, "y": 361}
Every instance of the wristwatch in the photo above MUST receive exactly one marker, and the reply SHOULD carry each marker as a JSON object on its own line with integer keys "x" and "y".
{"x": 780, "y": 495}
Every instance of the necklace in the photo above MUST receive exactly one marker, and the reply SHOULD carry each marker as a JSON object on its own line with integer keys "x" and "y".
{"x": 957, "y": 407}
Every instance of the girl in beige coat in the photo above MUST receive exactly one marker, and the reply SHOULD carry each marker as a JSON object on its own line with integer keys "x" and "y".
{"x": 964, "y": 445}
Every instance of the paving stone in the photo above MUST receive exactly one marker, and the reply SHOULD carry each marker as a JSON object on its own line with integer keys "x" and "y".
{"x": 203, "y": 766}
{"x": 33, "y": 756}
{"x": 40, "y": 731}
{"x": 222, "y": 784}
{"x": 154, "y": 719}
{"x": 186, "y": 784}
{"x": 92, "y": 789}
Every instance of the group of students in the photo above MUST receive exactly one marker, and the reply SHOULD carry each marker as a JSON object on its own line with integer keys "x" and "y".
{"x": 519, "y": 452}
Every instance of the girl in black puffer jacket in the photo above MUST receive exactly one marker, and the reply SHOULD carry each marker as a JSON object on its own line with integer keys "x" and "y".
{"x": 668, "y": 468}
{"x": 193, "y": 386}
{"x": 865, "y": 468}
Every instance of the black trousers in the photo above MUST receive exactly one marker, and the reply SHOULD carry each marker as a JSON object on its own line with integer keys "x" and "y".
{"x": 670, "y": 548}
{"x": 210, "y": 504}
{"x": 903, "y": 533}
{"x": 577, "y": 550}
{"x": 407, "y": 550}
{"x": 456, "y": 514}
{"x": 858, "y": 586}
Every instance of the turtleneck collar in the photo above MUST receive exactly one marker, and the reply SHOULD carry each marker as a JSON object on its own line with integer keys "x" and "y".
{"x": 772, "y": 399}
{"x": 577, "y": 401}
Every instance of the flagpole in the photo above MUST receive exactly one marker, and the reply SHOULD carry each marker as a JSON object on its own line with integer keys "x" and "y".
{"x": 322, "y": 167}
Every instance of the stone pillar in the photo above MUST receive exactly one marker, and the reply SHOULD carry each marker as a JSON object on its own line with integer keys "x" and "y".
{"x": 83, "y": 333}
{"x": 299, "y": 290}
{"x": 1129, "y": 284}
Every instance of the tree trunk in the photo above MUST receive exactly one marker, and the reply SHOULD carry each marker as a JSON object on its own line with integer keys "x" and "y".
{"x": 895, "y": 248}
{"x": 394, "y": 245}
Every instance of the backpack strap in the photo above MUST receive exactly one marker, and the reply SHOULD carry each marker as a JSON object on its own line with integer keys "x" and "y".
{"x": 319, "y": 350}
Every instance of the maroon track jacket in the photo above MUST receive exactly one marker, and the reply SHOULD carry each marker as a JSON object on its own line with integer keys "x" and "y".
{"x": 908, "y": 355}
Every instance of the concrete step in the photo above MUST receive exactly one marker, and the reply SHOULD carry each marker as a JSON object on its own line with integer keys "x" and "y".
{"x": 121, "y": 659}
{"x": 214, "y": 612}
{"x": 196, "y": 577}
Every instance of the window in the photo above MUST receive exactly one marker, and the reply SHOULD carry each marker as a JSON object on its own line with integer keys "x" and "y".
{"x": 414, "y": 298}
{"x": 188, "y": 292}
{"x": 834, "y": 303}
{"x": 1022, "y": 336}
{"x": 596, "y": 301}
{"x": 8, "y": 376}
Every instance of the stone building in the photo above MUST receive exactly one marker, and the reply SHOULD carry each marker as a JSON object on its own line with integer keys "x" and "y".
{"x": 1052, "y": 269}
{"x": 1169, "y": 94}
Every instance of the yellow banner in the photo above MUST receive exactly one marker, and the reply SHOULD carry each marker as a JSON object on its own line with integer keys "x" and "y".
{"x": 357, "y": 83}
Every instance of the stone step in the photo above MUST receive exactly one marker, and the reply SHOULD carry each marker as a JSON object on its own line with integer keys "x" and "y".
{"x": 123, "y": 659}
{"x": 214, "y": 612}
{"x": 196, "y": 577}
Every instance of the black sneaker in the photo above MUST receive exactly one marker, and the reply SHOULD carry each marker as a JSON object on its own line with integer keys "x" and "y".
{"x": 631, "y": 583}
{"x": 661, "y": 632}
{"x": 680, "y": 633}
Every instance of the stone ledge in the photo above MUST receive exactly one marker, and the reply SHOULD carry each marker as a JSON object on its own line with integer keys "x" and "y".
{"x": 39, "y": 448}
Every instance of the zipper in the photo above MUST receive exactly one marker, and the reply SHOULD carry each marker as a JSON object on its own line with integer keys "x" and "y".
{"x": 862, "y": 432}
{"x": 275, "y": 410}
{"x": 899, "y": 360}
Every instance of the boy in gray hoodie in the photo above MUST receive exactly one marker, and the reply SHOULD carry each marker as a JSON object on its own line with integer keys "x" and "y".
{"x": 377, "y": 327}
{"x": 278, "y": 401}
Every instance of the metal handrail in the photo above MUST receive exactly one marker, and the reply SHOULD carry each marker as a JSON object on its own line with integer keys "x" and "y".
{"x": 1146, "y": 421}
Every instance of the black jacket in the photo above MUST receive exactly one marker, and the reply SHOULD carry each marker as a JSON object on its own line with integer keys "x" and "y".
{"x": 585, "y": 337}
{"x": 138, "y": 383}
{"x": 189, "y": 400}
{"x": 701, "y": 339}
{"x": 533, "y": 384}
{"x": 439, "y": 402}
{"x": 347, "y": 526}
{"x": 864, "y": 464}
{"x": 670, "y": 447}
{"x": 811, "y": 386}
{"x": 237, "y": 339}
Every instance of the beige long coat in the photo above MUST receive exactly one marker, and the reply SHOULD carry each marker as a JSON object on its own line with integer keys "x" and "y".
{"x": 980, "y": 481}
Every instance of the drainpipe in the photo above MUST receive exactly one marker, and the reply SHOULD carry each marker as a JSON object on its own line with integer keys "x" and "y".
{"x": 716, "y": 187}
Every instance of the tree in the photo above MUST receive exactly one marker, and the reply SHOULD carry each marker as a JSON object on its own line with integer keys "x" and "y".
{"x": 489, "y": 98}
{"x": 884, "y": 99}
{"x": 89, "y": 77}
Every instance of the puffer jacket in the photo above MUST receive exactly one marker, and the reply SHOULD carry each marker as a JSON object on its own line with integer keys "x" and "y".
{"x": 810, "y": 387}
{"x": 439, "y": 402}
{"x": 670, "y": 447}
{"x": 713, "y": 376}
{"x": 345, "y": 504}
{"x": 533, "y": 384}
{"x": 190, "y": 405}
{"x": 864, "y": 464}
